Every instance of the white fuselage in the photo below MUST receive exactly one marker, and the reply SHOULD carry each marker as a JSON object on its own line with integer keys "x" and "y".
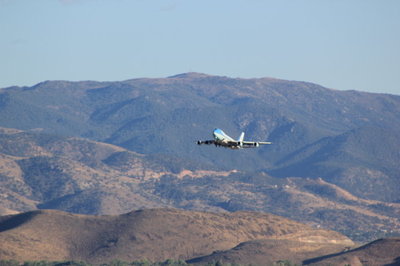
{"x": 222, "y": 139}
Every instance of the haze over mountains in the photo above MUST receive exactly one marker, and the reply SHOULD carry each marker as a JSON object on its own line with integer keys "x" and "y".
{"x": 112, "y": 147}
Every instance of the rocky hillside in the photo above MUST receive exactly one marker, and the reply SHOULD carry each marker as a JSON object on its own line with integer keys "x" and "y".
{"x": 156, "y": 235}
{"x": 45, "y": 171}
{"x": 41, "y": 171}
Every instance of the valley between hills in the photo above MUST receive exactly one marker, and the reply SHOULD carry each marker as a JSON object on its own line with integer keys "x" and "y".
{"x": 94, "y": 152}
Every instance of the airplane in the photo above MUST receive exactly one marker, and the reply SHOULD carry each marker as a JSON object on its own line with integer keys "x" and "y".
{"x": 223, "y": 140}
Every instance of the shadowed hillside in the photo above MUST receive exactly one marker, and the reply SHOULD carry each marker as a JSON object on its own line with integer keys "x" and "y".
{"x": 268, "y": 252}
{"x": 376, "y": 253}
{"x": 156, "y": 234}
{"x": 358, "y": 161}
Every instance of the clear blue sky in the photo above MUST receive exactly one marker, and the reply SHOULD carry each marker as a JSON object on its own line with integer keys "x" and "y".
{"x": 340, "y": 44}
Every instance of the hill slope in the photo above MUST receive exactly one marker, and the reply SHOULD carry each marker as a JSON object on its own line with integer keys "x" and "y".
{"x": 82, "y": 176}
{"x": 317, "y": 132}
{"x": 379, "y": 252}
{"x": 156, "y": 234}
{"x": 45, "y": 171}
{"x": 270, "y": 251}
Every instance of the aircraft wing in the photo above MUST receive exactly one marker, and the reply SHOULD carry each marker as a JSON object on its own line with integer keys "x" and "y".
{"x": 264, "y": 142}
{"x": 207, "y": 142}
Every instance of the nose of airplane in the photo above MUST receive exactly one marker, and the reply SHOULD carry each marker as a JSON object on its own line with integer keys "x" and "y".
{"x": 215, "y": 133}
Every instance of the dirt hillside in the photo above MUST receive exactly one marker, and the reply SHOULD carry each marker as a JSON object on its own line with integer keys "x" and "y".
{"x": 154, "y": 234}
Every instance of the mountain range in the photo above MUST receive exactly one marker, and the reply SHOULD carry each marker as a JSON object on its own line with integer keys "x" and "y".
{"x": 111, "y": 147}
{"x": 165, "y": 116}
